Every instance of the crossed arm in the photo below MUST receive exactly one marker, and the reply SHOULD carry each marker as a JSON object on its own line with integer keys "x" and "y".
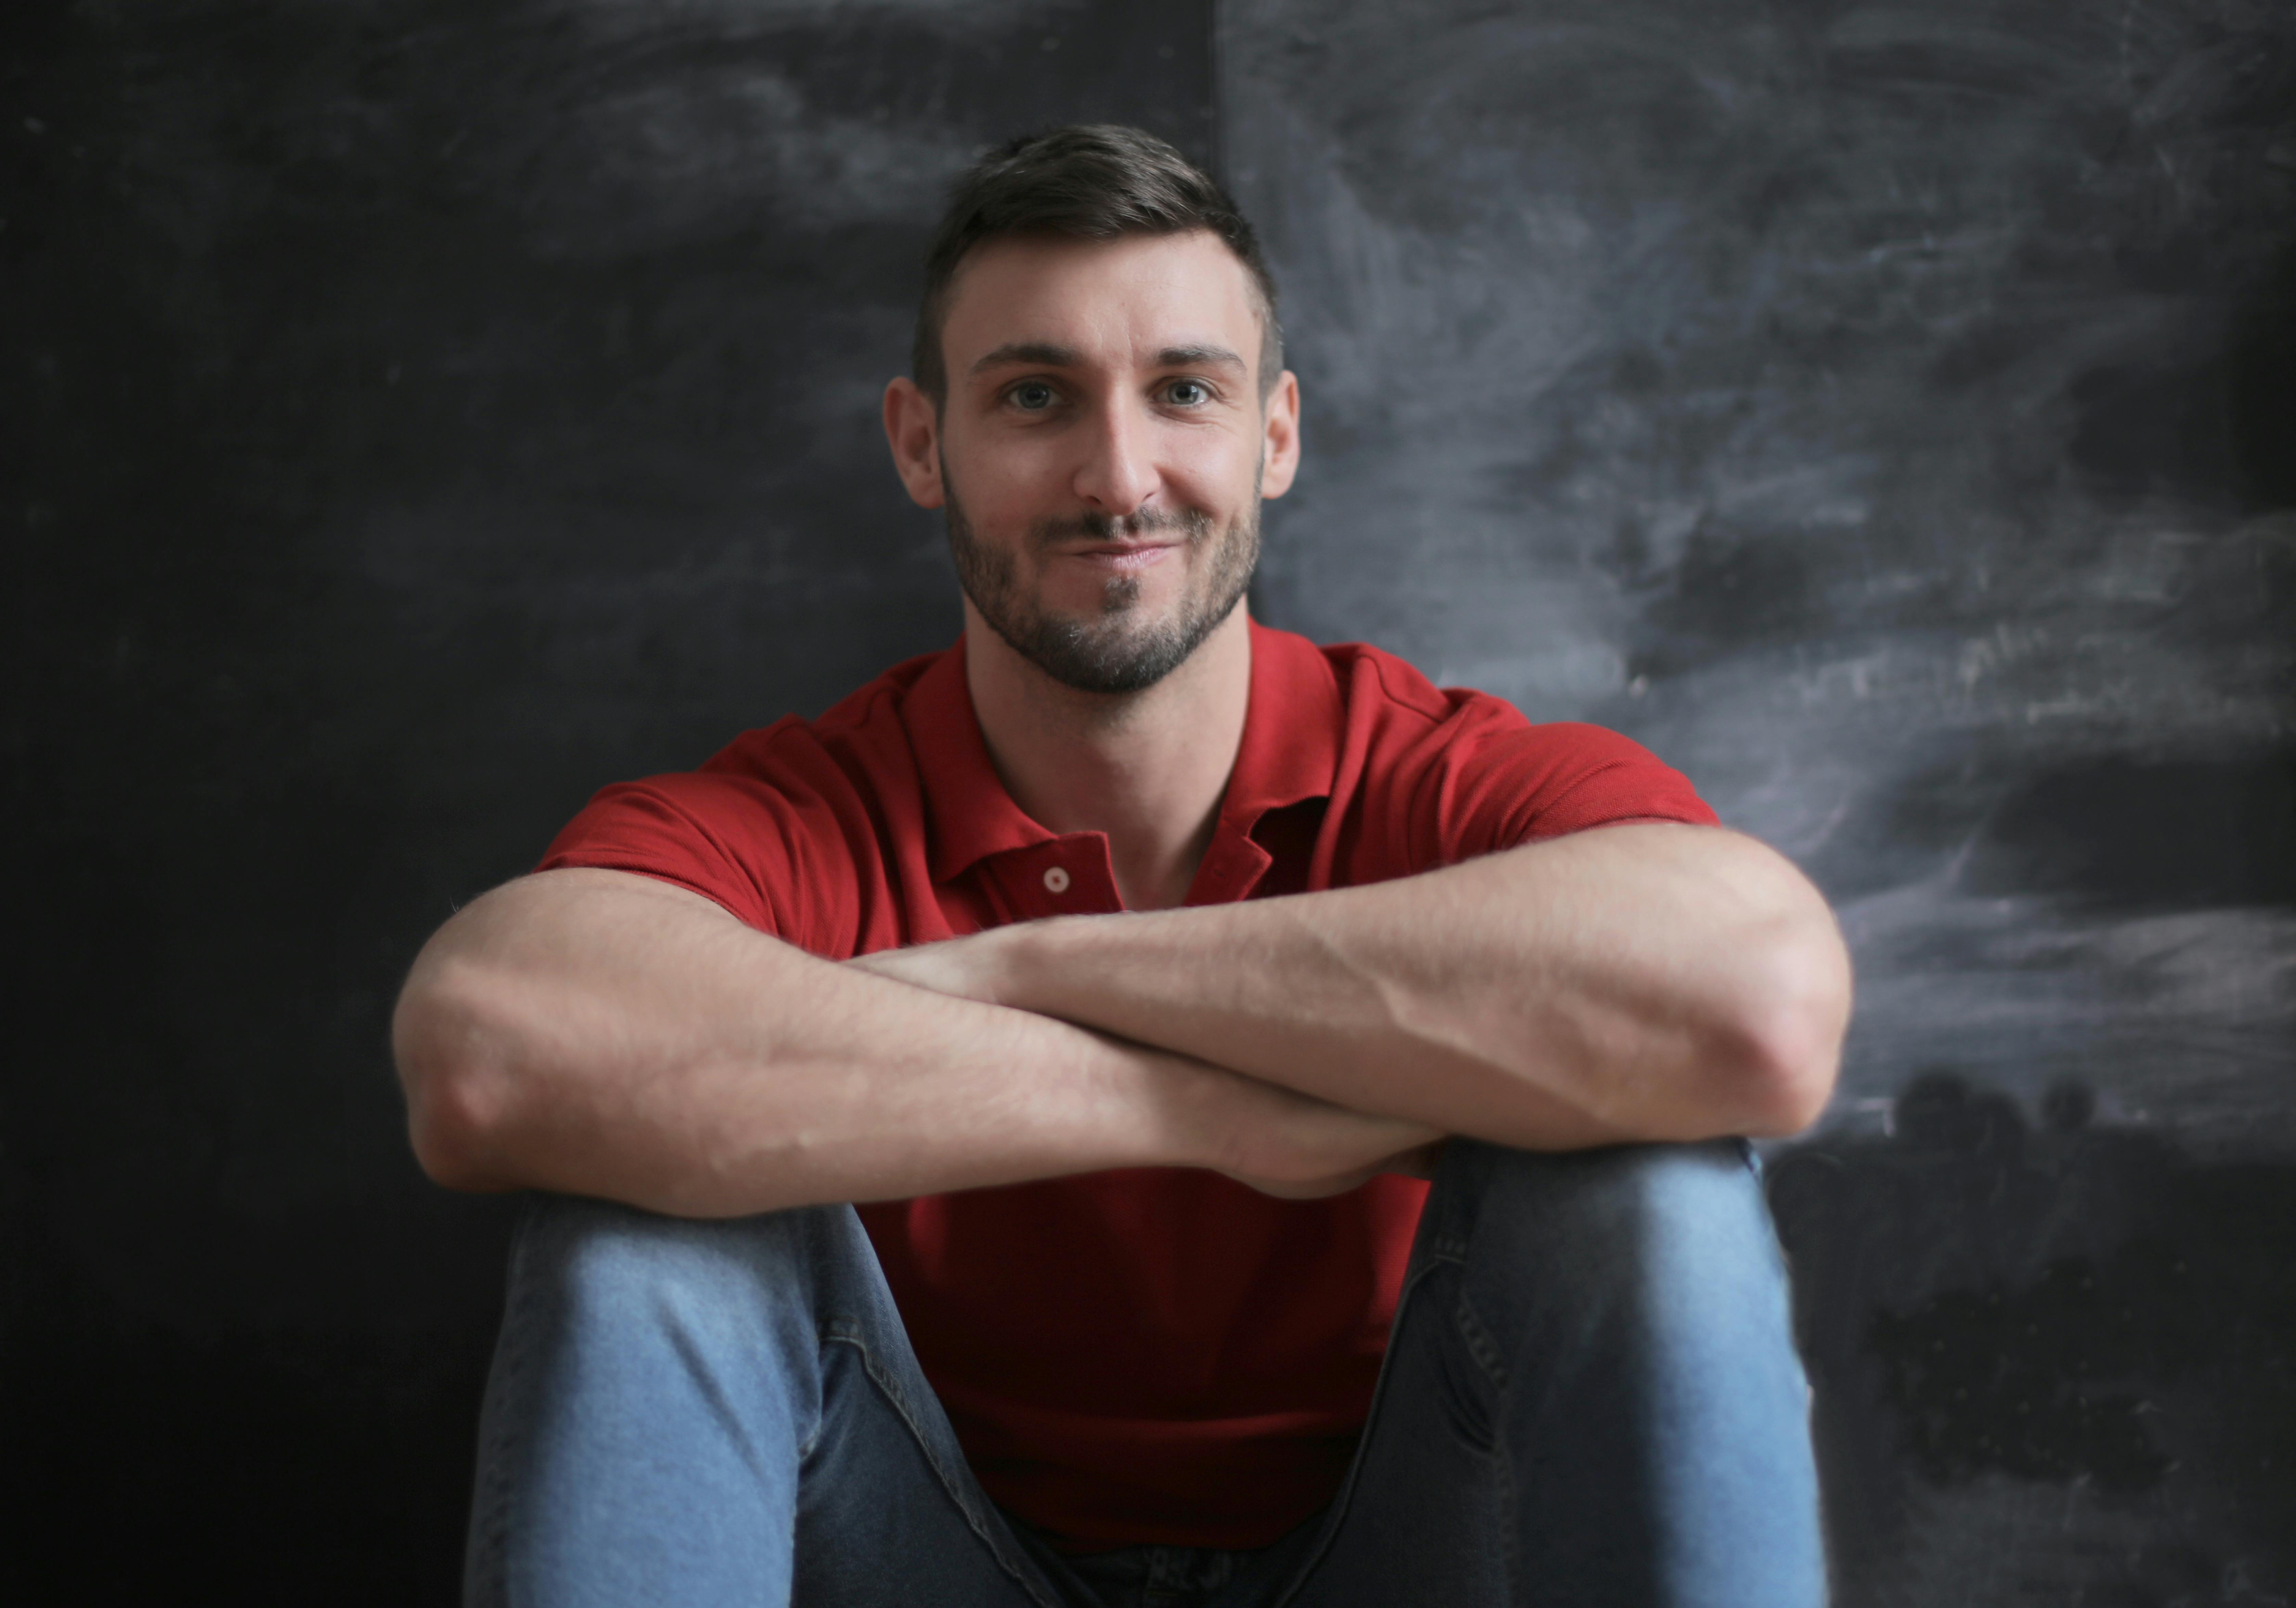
{"x": 601, "y": 1033}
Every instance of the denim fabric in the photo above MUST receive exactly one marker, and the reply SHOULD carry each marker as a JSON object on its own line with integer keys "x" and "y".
{"x": 1590, "y": 1397}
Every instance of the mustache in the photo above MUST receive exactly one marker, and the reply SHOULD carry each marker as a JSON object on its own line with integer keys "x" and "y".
{"x": 1192, "y": 524}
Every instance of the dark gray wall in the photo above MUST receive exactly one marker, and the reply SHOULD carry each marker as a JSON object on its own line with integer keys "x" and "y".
{"x": 1884, "y": 412}
{"x": 417, "y": 412}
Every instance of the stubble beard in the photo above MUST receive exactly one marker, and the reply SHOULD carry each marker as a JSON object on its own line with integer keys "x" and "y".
{"x": 1116, "y": 650}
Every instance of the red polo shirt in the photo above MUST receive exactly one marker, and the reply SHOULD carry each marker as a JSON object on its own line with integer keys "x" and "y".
{"x": 1150, "y": 1355}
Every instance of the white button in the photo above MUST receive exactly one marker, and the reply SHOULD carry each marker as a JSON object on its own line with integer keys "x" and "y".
{"x": 1056, "y": 879}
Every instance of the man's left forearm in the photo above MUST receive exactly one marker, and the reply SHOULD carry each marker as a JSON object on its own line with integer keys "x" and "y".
{"x": 1641, "y": 981}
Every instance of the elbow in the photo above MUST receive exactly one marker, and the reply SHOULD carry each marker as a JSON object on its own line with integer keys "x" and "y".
{"x": 453, "y": 1077}
{"x": 1788, "y": 1027}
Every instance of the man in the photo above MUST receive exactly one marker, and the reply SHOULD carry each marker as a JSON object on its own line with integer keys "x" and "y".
{"x": 1138, "y": 1314}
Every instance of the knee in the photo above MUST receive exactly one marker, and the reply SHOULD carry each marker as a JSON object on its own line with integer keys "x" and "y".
{"x": 604, "y": 1266}
{"x": 1682, "y": 1215}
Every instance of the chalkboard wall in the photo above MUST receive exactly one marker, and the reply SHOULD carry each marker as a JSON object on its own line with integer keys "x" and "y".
{"x": 1885, "y": 413}
{"x": 418, "y": 414}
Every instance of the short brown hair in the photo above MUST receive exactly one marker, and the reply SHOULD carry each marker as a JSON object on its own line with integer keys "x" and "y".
{"x": 1087, "y": 181}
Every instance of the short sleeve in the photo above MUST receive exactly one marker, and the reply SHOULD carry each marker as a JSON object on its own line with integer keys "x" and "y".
{"x": 1485, "y": 779}
{"x": 736, "y": 839}
{"x": 1542, "y": 781}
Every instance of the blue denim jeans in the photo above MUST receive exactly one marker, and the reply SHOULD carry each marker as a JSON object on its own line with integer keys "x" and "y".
{"x": 1590, "y": 1397}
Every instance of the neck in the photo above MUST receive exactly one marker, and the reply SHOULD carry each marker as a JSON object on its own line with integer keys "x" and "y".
{"x": 1149, "y": 768}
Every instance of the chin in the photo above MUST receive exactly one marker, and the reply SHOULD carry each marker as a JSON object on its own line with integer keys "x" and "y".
{"x": 1137, "y": 629}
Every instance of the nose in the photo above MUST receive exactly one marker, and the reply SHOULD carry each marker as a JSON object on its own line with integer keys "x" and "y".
{"x": 1117, "y": 474}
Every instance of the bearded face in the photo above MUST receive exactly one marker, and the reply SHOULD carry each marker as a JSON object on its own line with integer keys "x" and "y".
{"x": 1101, "y": 449}
{"x": 1128, "y": 645}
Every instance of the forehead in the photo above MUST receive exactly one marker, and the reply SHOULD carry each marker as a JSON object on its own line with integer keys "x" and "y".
{"x": 1113, "y": 300}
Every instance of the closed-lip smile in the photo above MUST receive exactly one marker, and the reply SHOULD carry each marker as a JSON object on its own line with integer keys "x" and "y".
{"x": 1122, "y": 555}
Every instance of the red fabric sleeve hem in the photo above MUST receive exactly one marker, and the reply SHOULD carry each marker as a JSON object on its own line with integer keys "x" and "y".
{"x": 580, "y": 862}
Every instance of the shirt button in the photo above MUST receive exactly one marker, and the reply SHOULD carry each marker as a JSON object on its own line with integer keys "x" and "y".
{"x": 1056, "y": 880}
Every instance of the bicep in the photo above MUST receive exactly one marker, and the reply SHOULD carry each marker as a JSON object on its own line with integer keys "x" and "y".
{"x": 601, "y": 888}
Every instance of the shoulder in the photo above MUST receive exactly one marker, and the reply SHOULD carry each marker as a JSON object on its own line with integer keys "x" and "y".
{"x": 1391, "y": 690}
{"x": 1397, "y": 714}
{"x": 863, "y": 725}
{"x": 1470, "y": 773}
{"x": 772, "y": 825}
{"x": 1385, "y": 687}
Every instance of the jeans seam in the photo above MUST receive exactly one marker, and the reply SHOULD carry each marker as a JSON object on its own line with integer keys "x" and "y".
{"x": 493, "y": 1525}
{"x": 1337, "y": 1513}
{"x": 1509, "y": 1536}
{"x": 1481, "y": 1346}
{"x": 835, "y": 1333}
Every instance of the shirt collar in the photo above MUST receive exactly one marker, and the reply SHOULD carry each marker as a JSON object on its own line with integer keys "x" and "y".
{"x": 968, "y": 811}
{"x": 1290, "y": 747}
{"x": 1289, "y": 753}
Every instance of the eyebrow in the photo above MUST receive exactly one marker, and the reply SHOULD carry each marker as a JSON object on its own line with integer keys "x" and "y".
{"x": 1197, "y": 357}
{"x": 1051, "y": 356}
{"x": 1030, "y": 351}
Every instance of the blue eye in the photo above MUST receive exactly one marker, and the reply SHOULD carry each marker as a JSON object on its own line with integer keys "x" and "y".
{"x": 1032, "y": 396}
{"x": 1188, "y": 393}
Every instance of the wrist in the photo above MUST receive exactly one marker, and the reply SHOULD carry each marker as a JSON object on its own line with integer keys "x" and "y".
{"x": 1017, "y": 964}
{"x": 1207, "y": 1121}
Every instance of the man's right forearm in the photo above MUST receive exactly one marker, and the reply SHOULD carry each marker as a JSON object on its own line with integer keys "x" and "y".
{"x": 599, "y": 1033}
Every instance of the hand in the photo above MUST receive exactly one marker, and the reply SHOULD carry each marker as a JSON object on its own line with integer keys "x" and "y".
{"x": 1419, "y": 1163}
{"x": 1295, "y": 1147}
{"x": 1289, "y": 1146}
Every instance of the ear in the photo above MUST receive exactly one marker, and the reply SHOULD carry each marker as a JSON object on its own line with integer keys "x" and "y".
{"x": 1280, "y": 439}
{"x": 913, "y": 430}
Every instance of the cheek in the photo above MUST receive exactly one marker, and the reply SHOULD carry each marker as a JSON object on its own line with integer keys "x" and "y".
{"x": 1213, "y": 472}
{"x": 999, "y": 478}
